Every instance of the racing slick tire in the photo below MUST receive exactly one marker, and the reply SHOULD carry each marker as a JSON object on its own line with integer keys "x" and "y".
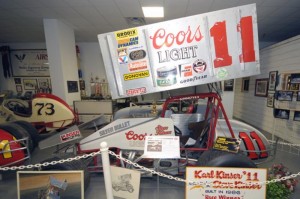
{"x": 216, "y": 158}
{"x": 32, "y": 131}
{"x": 74, "y": 165}
{"x": 19, "y": 133}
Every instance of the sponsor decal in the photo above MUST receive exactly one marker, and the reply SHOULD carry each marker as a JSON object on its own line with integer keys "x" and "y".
{"x": 199, "y": 66}
{"x": 222, "y": 73}
{"x": 134, "y": 66}
{"x": 112, "y": 129}
{"x": 166, "y": 76}
{"x": 137, "y": 54}
{"x": 123, "y": 34}
{"x": 185, "y": 70}
{"x": 136, "y": 91}
{"x": 136, "y": 75}
{"x": 123, "y": 60}
{"x": 20, "y": 57}
{"x": 128, "y": 42}
{"x": 162, "y": 130}
{"x": 192, "y": 79}
{"x": 122, "y": 52}
{"x": 70, "y": 136}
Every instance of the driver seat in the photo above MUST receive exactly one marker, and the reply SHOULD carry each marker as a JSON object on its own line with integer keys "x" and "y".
{"x": 23, "y": 111}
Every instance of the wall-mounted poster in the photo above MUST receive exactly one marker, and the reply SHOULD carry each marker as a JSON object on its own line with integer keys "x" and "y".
{"x": 30, "y": 63}
{"x": 261, "y": 87}
{"x": 50, "y": 184}
{"x": 30, "y": 84}
{"x": 272, "y": 80}
{"x": 228, "y": 85}
{"x": 72, "y": 86}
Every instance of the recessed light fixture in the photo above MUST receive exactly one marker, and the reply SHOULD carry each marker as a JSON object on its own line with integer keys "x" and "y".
{"x": 153, "y": 11}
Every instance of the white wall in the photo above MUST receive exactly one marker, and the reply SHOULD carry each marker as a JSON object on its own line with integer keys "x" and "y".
{"x": 282, "y": 57}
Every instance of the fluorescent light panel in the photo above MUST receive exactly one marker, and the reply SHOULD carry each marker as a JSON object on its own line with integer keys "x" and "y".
{"x": 153, "y": 11}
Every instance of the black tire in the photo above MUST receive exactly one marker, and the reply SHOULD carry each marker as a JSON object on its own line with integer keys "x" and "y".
{"x": 74, "y": 165}
{"x": 216, "y": 158}
{"x": 31, "y": 130}
{"x": 19, "y": 133}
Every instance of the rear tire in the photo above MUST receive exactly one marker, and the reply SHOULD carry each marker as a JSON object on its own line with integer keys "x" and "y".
{"x": 216, "y": 158}
{"x": 32, "y": 131}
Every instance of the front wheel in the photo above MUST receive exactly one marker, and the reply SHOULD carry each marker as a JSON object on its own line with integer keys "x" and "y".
{"x": 216, "y": 158}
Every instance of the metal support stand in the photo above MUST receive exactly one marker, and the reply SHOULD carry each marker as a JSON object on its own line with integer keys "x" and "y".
{"x": 106, "y": 170}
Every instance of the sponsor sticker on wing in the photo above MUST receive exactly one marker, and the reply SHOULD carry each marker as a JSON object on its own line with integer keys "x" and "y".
{"x": 134, "y": 66}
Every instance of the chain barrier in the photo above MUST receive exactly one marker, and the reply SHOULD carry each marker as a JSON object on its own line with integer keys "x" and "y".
{"x": 283, "y": 143}
{"x": 38, "y": 165}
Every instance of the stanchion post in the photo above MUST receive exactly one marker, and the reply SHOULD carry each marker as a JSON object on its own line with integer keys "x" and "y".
{"x": 106, "y": 170}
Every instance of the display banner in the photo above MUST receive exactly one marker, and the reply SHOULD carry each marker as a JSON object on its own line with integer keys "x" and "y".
{"x": 185, "y": 52}
{"x": 225, "y": 183}
{"x": 30, "y": 63}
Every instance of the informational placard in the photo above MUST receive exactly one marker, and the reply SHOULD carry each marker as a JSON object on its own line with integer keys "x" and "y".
{"x": 162, "y": 147}
{"x": 224, "y": 183}
{"x": 227, "y": 144}
{"x": 30, "y": 63}
{"x": 185, "y": 52}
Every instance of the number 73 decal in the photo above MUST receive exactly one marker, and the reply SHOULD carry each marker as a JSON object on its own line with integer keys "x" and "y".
{"x": 45, "y": 108}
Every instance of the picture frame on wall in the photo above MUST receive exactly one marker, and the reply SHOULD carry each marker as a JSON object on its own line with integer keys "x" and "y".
{"x": 35, "y": 184}
{"x": 270, "y": 100}
{"x": 295, "y": 78}
{"x": 245, "y": 84}
{"x": 282, "y": 114}
{"x": 228, "y": 85}
{"x": 72, "y": 86}
{"x": 261, "y": 87}
{"x": 30, "y": 84}
{"x": 19, "y": 88}
{"x": 297, "y": 116}
{"x": 298, "y": 96}
{"x": 17, "y": 80}
{"x": 284, "y": 95}
{"x": 43, "y": 83}
{"x": 272, "y": 80}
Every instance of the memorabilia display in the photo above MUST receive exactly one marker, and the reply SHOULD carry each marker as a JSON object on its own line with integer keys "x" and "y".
{"x": 284, "y": 95}
{"x": 297, "y": 116}
{"x": 228, "y": 85}
{"x": 295, "y": 78}
{"x": 270, "y": 100}
{"x": 282, "y": 113}
{"x": 245, "y": 84}
{"x": 30, "y": 84}
{"x": 72, "y": 86}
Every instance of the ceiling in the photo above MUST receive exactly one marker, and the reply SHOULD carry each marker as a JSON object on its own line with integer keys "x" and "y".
{"x": 22, "y": 20}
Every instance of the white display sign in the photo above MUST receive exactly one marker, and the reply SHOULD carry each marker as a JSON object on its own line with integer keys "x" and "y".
{"x": 30, "y": 63}
{"x": 194, "y": 50}
{"x": 223, "y": 183}
{"x": 162, "y": 147}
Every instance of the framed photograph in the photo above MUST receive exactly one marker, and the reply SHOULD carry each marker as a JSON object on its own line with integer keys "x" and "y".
{"x": 297, "y": 116}
{"x": 282, "y": 114}
{"x": 298, "y": 96}
{"x": 57, "y": 184}
{"x": 284, "y": 95}
{"x": 245, "y": 84}
{"x": 270, "y": 100}
{"x": 261, "y": 87}
{"x": 19, "y": 88}
{"x": 228, "y": 85}
{"x": 272, "y": 80}
{"x": 295, "y": 78}
{"x": 30, "y": 84}
{"x": 43, "y": 83}
{"x": 17, "y": 80}
{"x": 72, "y": 86}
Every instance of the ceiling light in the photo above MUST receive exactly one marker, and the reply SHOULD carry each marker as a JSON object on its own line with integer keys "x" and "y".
{"x": 153, "y": 11}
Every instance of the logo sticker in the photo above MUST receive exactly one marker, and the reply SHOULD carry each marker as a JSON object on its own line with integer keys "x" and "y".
{"x": 186, "y": 70}
{"x": 123, "y": 60}
{"x": 136, "y": 91}
{"x": 199, "y": 66}
{"x": 137, "y": 54}
{"x": 134, "y": 66}
{"x": 122, "y": 52}
{"x": 70, "y": 136}
{"x": 123, "y": 34}
{"x": 136, "y": 75}
{"x": 20, "y": 57}
{"x": 222, "y": 73}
